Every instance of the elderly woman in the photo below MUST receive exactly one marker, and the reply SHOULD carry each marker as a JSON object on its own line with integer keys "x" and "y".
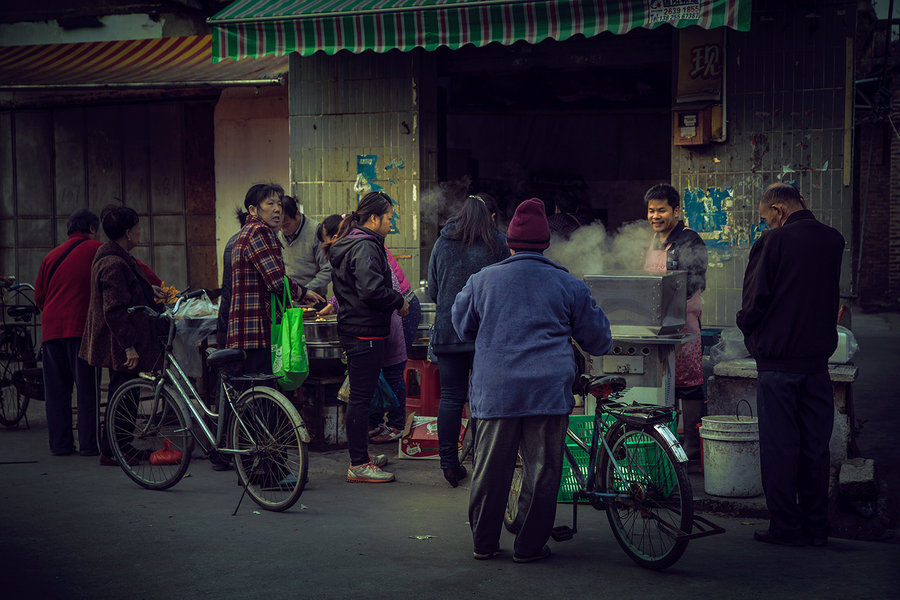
{"x": 124, "y": 343}
{"x": 257, "y": 272}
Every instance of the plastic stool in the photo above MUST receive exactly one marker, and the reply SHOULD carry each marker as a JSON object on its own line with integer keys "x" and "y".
{"x": 425, "y": 402}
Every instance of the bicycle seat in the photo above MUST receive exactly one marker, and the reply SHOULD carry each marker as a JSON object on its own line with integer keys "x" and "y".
{"x": 219, "y": 359}
{"x": 21, "y": 313}
{"x": 603, "y": 386}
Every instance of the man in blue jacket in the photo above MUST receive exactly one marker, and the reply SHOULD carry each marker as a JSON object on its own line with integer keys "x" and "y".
{"x": 521, "y": 314}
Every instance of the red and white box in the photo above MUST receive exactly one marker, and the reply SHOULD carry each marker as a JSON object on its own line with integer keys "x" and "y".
{"x": 420, "y": 437}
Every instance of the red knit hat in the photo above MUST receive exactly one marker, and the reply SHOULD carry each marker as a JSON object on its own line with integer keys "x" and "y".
{"x": 528, "y": 229}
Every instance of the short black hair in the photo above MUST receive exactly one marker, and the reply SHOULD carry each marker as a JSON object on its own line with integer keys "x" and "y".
{"x": 117, "y": 220}
{"x": 82, "y": 221}
{"x": 259, "y": 192}
{"x": 289, "y": 207}
{"x": 663, "y": 191}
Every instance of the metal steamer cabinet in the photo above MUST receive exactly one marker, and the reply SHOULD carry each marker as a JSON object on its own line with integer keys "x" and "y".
{"x": 646, "y": 312}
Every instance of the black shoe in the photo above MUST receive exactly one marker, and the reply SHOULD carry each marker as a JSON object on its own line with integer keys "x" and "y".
{"x": 771, "y": 537}
{"x": 454, "y": 475}
{"x": 485, "y": 555}
{"x": 544, "y": 553}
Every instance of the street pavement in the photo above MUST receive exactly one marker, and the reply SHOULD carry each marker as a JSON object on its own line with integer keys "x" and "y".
{"x": 73, "y": 529}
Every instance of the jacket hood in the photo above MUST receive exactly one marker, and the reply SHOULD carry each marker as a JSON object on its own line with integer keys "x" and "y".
{"x": 449, "y": 229}
{"x": 340, "y": 249}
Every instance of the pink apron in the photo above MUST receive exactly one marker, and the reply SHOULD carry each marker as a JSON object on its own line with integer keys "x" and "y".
{"x": 688, "y": 359}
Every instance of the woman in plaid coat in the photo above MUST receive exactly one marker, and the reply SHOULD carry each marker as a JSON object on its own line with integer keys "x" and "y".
{"x": 257, "y": 272}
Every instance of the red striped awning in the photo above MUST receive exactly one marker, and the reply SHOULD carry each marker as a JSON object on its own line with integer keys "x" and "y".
{"x": 254, "y": 28}
{"x": 174, "y": 62}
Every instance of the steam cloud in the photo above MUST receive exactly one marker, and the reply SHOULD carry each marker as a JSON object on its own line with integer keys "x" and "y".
{"x": 592, "y": 251}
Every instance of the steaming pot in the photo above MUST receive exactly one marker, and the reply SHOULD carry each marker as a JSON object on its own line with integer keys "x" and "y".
{"x": 638, "y": 303}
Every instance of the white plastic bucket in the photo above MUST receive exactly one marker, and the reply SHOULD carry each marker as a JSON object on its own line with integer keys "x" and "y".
{"x": 731, "y": 456}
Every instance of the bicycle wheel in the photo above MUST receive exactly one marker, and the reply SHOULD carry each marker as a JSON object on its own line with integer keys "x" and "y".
{"x": 512, "y": 519}
{"x": 150, "y": 438}
{"x": 656, "y": 498}
{"x": 273, "y": 459}
{"x": 465, "y": 448}
{"x": 12, "y": 404}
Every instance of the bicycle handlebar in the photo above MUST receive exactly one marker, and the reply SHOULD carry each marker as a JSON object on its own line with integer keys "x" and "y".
{"x": 143, "y": 309}
{"x": 18, "y": 286}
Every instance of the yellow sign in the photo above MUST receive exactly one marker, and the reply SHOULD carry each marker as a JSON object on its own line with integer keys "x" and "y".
{"x": 701, "y": 64}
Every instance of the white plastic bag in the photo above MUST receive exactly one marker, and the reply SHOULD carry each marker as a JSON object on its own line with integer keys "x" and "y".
{"x": 729, "y": 347}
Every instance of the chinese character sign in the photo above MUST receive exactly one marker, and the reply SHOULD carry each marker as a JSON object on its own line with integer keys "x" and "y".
{"x": 701, "y": 63}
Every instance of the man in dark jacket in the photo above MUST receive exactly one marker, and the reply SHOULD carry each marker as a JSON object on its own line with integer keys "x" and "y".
{"x": 63, "y": 293}
{"x": 788, "y": 317}
{"x": 521, "y": 314}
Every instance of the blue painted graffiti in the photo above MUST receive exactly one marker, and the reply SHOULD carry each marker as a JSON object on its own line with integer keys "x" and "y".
{"x": 367, "y": 179}
{"x": 704, "y": 210}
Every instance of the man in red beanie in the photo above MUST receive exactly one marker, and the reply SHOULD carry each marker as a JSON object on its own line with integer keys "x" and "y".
{"x": 521, "y": 314}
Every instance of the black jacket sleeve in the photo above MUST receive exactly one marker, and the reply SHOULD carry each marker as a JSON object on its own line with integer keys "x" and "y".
{"x": 369, "y": 267}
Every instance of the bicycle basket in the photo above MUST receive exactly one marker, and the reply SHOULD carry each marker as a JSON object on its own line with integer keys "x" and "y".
{"x": 29, "y": 383}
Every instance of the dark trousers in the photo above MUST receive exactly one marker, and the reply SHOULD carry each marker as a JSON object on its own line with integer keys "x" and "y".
{"x": 396, "y": 415}
{"x": 364, "y": 359}
{"x": 454, "y": 368}
{"x": 62, "y": 368}
{"x": 116, "y": 380}
{"x": 540, "y": 441}
{"x": 796, "y": 416}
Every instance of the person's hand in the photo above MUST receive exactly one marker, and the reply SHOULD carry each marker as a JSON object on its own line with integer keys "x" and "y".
{"x": 131, "y": 358}
{"x": 159, "y": 292}
{"x": 404, "y": 310}
{"x": 312, "y": 298}
{"x": 328, "y": 310}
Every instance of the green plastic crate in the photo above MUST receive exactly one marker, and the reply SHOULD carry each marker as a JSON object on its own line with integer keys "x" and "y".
{"x": 583, "y": 427}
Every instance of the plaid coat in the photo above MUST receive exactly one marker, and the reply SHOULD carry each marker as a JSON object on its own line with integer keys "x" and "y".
{"x": 257, "y": 271}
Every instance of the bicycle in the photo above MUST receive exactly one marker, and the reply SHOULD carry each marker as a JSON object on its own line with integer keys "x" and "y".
{"x": 154, "y": 420}
{"x": 637, "y": 476}
{"x": 20, "y": 377}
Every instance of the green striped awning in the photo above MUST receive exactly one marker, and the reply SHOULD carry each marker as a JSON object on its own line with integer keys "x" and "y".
{"x": 253, "y": 28}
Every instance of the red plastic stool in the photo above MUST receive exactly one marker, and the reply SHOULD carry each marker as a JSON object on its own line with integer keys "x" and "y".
{"x": 424, "y": 396}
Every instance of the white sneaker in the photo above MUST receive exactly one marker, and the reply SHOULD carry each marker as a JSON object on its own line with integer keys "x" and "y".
{"x": 368, "y": 473}
{"x": 379, "y": 460}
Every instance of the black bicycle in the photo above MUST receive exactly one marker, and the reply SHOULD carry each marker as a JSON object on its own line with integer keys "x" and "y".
{"x": 632, "y": 468}
{"x": 20, "y": 377}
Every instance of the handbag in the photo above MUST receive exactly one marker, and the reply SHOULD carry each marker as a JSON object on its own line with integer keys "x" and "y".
{"x": 290, "y": 363}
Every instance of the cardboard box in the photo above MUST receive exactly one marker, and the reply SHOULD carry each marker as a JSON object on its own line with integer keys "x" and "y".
{"x": 420, "y": 437}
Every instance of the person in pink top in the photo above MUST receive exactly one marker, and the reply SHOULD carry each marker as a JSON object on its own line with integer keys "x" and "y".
{"x": 63, "y": 293}
{"x": 410, "y": 321}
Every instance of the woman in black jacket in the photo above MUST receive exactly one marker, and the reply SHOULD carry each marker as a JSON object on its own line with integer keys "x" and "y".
{"x": 361, "y": 277}
{"x": 468, "y": 242}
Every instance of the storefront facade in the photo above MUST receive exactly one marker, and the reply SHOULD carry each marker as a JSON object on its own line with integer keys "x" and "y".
{"x": 416, "y": 112}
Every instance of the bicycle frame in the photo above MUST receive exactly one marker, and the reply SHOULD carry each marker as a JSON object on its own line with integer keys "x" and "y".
{"x": 600, "y": 499}
{"x": 172, "y": 374}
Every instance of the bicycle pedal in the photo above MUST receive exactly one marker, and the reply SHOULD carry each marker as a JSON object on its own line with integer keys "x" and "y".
{"x": 562, "y": 533}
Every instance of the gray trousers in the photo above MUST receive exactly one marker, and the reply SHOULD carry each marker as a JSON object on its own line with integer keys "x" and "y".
{"x": 540, "y": 440}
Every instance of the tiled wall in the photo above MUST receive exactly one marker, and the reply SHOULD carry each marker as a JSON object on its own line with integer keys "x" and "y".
{"x": 348, "y": 106}
{"x": 785, "y": 104}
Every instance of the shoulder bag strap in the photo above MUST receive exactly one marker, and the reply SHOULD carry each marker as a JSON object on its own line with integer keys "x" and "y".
{"x": 62, "y": 258}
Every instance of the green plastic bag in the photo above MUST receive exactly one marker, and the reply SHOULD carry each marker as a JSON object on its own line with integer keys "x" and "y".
{"x": 290, "y": 362}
